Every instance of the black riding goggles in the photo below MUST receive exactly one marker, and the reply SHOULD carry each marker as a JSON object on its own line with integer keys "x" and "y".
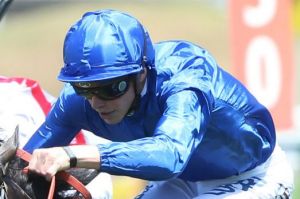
{"x": 103, "y": 90}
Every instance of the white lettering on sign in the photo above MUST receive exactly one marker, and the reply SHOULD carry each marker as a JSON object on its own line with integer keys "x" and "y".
{"x": 261, "y": 14}
{"x": 262, "y": 58}
{"x": 263, "y": 70}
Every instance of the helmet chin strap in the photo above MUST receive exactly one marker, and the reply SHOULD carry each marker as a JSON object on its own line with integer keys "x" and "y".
{"x": 136, "y": 101}
{"x": 137, "y": 98}
{"x": 135, "y": 105}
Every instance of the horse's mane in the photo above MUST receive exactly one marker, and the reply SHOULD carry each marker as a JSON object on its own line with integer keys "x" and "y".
{"x": 35, "y": 186}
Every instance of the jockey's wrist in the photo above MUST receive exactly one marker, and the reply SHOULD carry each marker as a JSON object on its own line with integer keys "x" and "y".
{"x": 73, "y": 158}
{"x": 87, "y": 156}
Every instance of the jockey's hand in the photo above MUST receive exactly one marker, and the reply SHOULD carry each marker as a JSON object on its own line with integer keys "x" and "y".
{"x": 47, "y": 162}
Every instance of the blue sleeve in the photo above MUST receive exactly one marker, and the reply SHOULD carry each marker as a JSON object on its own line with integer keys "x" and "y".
{"x": 59, "y": 127}
{"x": 166, "y": 154}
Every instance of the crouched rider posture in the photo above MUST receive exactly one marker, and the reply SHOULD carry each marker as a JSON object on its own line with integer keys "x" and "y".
{"x": 173, "y": 115}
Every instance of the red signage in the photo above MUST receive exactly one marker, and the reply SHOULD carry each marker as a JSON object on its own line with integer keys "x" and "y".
{"x": 262, "y": 52}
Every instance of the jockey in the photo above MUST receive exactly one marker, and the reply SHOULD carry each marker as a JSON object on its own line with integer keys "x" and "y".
{"x": 174, "y": 116}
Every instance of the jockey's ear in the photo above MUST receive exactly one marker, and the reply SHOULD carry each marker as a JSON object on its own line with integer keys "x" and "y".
{"x": 8, "y": 148}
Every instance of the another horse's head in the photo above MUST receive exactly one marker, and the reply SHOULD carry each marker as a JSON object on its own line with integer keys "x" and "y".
{"x": 17, "y": 184}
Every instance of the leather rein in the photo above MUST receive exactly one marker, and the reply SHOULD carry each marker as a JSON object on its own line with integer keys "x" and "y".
{"x": 61, "y": 175}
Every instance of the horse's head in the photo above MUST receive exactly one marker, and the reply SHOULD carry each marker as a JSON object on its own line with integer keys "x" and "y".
{"x": 17, "y": 184}
{"x": 9, "y": 139}
{"x": 8, "y": 146}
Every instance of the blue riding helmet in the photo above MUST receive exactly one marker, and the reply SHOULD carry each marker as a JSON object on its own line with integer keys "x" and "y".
{"x": 104, "y": 45}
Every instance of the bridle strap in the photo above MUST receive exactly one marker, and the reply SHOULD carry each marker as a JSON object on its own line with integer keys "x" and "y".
{"x": 24, "y": 155}
{"x": 61, "y": 175}
{"x": 52, "y": 188}
{"x": 74, "y": 182}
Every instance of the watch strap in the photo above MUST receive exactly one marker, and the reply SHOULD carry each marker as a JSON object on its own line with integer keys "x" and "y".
{"x": 73, "y": 159}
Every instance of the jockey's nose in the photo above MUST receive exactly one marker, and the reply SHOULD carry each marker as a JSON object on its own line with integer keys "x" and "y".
{"x": 96, "y": 102}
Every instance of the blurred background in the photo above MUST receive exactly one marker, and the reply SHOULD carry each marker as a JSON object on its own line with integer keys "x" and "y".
{"x": 32, "y": 34}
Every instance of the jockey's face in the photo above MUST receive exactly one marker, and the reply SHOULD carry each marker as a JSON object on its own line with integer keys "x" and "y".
{"x": 113, "y": 111}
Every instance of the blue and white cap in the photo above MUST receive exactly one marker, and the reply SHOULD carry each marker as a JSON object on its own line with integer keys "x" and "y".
{"x": 104, "y": 45}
